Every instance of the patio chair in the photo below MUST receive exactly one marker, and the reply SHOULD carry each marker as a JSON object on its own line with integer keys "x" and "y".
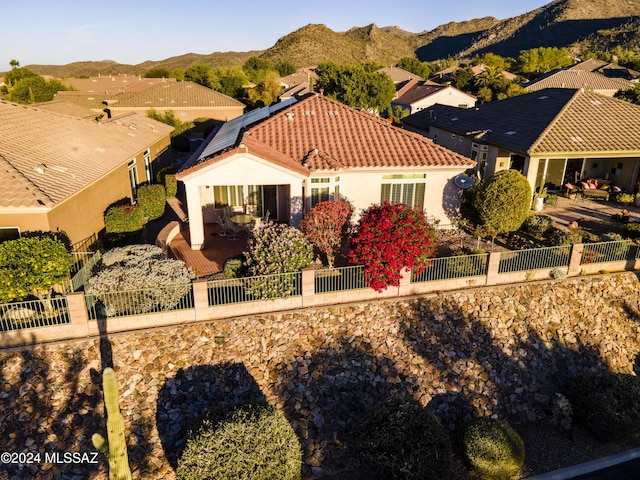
{"x": 265, "y": 218}
{"x": 253, "y": 226}
{"x": 233, "y": 230}
{"x": 223, "y": 225}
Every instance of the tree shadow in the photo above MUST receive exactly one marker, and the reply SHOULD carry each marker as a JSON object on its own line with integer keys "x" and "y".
{"x": 513, "y": 378}
{"x": 194, "y": 391}
{"x": 39, "y": 416}
{"x": 328, "y": 391}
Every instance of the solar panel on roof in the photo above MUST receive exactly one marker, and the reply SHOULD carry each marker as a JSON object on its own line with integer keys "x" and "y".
{"x": 228, "y": 133}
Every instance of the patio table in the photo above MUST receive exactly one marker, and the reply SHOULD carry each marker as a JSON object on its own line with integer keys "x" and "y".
{"x": 243, "y": 219}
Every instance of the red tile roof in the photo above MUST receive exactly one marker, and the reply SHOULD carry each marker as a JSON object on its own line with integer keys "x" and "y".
{"x": 324, "y": 134}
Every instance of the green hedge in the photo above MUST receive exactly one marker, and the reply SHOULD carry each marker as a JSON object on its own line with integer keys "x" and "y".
{"x": 152, "y": 200}
{"x": 494, "y": 449}
{"x": 124, "y": 218}
{"x": 166, "y": 176}
{"x": 251, "y": 442}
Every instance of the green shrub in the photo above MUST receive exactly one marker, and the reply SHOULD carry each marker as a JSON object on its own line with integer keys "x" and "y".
{"x": 401, "y": 439}
{"x": 631, "y": 230}
{"x": 166, "y": 176}
{"x": 503, "y": 201}
{"x": 566, "y": 237}
{"x": 537, "y": 224}
{"x": 494, "y": 449}
{"x": 252, "y": 442}
{"x": 558, "y": 274}
{"x": 32, "y": 265}
{"x": 124, "y": 218}
{"x": 123, "y": 224}
{"x": 234, "y": 266}
{"x": 152, "y": 200}
{"x": 607, "y": 404}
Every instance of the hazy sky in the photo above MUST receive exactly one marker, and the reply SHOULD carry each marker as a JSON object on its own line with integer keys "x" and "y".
{"x": 130, "y": 32}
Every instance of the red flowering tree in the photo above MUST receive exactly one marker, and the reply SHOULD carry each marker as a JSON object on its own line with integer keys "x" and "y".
{"x": 391, "y": 237}
{"x": 325, "y": 226}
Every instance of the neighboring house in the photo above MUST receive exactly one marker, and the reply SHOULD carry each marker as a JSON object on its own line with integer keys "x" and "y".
{"x": 60, "y": 173}
{"x": 552, "y": 136}
{"x": 188, "y": 100}
{"x": 415, "y": 95}
{"x": 290, "y": 156}
{"x": 306, "y": 75}
{"x": 114, "y": 84}
{"x": 68, "y": 108}
{"x": 447, "y": 75}
{"x": 399, "y": 75}
{"x": 592, "y": 75}
{"x": 610, "y": 70}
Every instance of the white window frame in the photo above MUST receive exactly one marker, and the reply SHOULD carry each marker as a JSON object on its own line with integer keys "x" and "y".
{"x": 404, "y": 188}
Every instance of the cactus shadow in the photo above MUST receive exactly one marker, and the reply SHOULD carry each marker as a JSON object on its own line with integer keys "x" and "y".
{"x": 192, "y": 392}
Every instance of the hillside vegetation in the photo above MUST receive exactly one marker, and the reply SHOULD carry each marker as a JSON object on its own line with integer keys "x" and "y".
{"x": 576, "y": 24}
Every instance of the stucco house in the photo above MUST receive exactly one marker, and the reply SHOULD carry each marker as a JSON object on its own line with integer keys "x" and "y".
{"x": 188, "y": 100}
{"x": 59, "y": 172}
{"x": 287, "y": 157}
{"x": 415, "y": 95}
{"x": 593, "y": 75}
{"x": 553, "y": 136}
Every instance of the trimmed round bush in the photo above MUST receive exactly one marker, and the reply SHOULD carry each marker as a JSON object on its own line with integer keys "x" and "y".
{"x": 503, "y": 201}
{"x": 607, "y": 404}
{"x": 400, "y": 439}
{"x": 251, "y": 442}
{"x": 537, "y": 224}
{"x": 493, "y": 448}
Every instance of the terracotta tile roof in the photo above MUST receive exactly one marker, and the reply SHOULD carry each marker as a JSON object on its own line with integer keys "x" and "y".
{"x": 46, "y": 157}
{"x": 555, "y": 120}
{"x": 163, "y": 95}
{"x": 318, "y": 134}
{"x": 414, "y": 91}
{"x": 576, "y": 78}
{"x": 348, "y": 137}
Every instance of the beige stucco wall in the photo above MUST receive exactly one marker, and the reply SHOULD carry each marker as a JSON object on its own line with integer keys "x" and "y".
{"x": 363, "y": 188}
{"x": 449, "y": 96}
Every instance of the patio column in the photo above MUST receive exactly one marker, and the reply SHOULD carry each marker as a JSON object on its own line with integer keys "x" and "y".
{"x": 296, "y": 201}
{"x": 196, "y": 222}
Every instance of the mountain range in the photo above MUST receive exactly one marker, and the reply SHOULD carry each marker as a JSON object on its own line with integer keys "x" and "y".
{"x": 580, "y": 25}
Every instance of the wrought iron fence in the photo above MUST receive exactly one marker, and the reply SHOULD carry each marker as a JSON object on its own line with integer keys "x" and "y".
{"x": 251, "y": 289}
{"x": 162, "y": 298}
{"x": 608, "y": 252}
{"x": 449, "y": 268}
{"x": 534, "y": 259}
{"x": 339, "y": 279}
{"x": 83, "y": 263}
{"x": 48, "y": 312}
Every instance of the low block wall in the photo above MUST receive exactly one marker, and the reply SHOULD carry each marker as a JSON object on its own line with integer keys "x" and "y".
{"x": 502, "y": 350}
